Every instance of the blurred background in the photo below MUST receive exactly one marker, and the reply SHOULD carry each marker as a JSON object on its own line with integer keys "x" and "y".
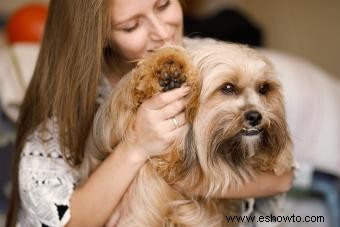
{"x": 301, "y": 37}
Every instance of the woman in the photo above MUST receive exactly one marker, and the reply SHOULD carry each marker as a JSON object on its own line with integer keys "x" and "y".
{"x": 87, "y": 47}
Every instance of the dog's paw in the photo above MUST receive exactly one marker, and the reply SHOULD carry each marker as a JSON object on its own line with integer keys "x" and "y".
{"x": 163, "y": 70}
{"x": 171, "y": 74}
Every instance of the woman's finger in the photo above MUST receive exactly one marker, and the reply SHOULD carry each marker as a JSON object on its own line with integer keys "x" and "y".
{"x": 161, "y": 100}
{"x": 172, "y": 109}
{"x": 175, "y": 122}
{"x": 178, "y": 131}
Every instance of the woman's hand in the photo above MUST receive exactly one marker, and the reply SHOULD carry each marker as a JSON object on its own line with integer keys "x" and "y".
{"x": 159, "y": 120}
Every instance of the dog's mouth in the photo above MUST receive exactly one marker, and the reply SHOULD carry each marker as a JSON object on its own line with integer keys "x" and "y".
{"x": 251, "y": 131}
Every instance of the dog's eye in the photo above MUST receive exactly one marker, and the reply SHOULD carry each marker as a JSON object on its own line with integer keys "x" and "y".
{"x": 228, "y": 89}
{"x": 264, "y": 88}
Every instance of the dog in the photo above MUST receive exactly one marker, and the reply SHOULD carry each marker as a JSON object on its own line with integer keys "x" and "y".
{"x": 237, "y": 128}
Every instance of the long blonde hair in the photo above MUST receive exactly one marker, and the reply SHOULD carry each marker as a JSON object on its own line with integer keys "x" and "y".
{"x": 65, "y": 79}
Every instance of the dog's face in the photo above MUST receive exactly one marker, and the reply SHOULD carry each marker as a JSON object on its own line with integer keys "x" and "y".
{"x": 240, "y": 112}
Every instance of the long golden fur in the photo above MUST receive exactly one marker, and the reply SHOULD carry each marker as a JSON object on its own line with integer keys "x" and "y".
{"x": 217, "y": 152}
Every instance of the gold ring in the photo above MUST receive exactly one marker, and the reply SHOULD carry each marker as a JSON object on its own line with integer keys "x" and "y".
{"x": 174, "y": 120}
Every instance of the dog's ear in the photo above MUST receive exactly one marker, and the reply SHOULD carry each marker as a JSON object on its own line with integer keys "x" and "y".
{"x": 285, "y": 160}
{"x": 189, "y": 169}
{"x": 193, "y": 97}
{"x": 190, "y": 149}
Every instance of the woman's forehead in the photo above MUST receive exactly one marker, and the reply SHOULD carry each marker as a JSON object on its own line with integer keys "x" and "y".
{"x": 123, "y": 10}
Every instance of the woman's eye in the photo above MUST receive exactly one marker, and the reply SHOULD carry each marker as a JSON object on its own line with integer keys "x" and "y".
{"x": 164, "y": 4}
{"x": 264, "y": 88}
{"x": 131, "y": 28}
{"x": 228, "y": 89}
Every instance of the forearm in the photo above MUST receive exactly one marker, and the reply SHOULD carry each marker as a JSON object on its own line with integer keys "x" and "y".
{"x": 264, "y": 184}
{"x": 93, "y": 202}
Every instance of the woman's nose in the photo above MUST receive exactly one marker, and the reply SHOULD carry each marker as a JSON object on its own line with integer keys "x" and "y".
{"x": 160, "y": 30}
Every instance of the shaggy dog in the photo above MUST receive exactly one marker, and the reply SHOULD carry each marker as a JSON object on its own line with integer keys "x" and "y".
{"x": 237, "y": 127}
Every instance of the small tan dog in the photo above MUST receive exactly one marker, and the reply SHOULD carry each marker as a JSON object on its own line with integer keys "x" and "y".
{"x": 237, "y": 127}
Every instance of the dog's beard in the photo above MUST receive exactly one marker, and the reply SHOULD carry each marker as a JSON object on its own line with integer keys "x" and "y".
{"x": 230, "y": 143}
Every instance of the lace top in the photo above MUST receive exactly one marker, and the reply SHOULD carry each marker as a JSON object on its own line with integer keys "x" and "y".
{"x": 46, "y": 181}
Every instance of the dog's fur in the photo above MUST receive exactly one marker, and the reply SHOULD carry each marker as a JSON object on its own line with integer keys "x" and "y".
{"x": 214, "y": 155}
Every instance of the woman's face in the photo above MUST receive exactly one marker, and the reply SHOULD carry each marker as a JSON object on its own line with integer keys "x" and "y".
{"x": 141, "y": 26}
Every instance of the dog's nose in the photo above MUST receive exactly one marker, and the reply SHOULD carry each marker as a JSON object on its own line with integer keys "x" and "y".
{"x": 253, "y": 117}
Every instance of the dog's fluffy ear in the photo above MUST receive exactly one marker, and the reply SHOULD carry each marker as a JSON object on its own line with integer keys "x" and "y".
{"x": 180, "y": 164}
{"x": 193, "y": 98}
{"x": 285, "y": 160}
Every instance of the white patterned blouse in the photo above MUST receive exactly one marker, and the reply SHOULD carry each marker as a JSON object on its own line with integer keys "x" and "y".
{"x": 46, "y": 181}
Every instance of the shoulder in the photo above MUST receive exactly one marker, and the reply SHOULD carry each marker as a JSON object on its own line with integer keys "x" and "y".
{"x": 43, "y": 143}
{"x": 42, "y": 151}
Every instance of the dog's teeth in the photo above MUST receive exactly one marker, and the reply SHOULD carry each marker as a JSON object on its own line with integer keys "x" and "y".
{"x": 251, "y": 131}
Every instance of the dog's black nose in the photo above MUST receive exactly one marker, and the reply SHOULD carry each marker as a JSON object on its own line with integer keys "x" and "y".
{"x": 253, "y": 117}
